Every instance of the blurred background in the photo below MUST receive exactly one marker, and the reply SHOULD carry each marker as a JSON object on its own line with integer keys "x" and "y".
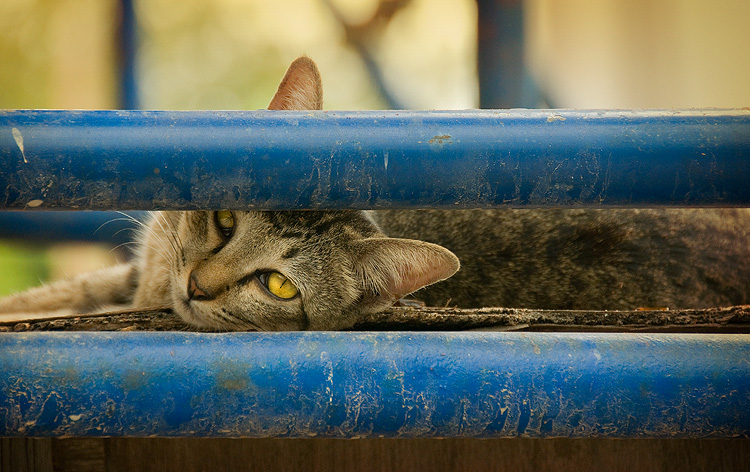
{"x": 373, "y": 54}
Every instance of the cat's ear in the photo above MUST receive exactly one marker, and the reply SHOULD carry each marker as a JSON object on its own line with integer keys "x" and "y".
{"x": 391, "y": 268}
{"x": 300, "y": 89}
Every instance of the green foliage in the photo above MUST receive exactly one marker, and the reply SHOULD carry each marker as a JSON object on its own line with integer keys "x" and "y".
{"x": 22, "y": 266}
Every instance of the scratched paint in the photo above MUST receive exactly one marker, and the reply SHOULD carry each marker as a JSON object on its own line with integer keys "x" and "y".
{"x": 374, "y": 384}
{"x": 383, "y": 159}
{"x": 18, "y": 137}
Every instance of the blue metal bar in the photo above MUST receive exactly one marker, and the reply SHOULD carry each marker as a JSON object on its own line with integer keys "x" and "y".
{"x": 127, "y": 48}
{"x": 500, "y": 54}
{"x": 45, "y": 226}
{"x": 289, "y": 160}
{"x": 374, "y": 384}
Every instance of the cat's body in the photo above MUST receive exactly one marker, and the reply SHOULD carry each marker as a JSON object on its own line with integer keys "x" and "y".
{"x": 586, "y": 259}
{"x": 238, "y": 270}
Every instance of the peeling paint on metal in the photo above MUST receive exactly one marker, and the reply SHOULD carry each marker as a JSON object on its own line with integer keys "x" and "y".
{"x": 18, "y": 137}
{"x": 555, "y": 117}
{"x": 374, "y": 384}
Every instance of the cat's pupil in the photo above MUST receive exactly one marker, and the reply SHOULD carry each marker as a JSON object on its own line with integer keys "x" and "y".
{"x": 225, "y": 221}
{"x": 279, "y": 285}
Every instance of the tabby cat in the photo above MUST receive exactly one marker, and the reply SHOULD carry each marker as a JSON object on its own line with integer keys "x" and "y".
{"x": 292, "y": 270}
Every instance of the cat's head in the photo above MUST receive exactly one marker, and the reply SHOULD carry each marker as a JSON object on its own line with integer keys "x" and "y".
{"x": 292, "y": 270}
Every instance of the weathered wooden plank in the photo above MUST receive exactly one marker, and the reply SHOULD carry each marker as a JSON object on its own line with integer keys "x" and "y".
{"x": 714, "y": 320}
{"x": 434, "y": 455}
{"x": 25, "y": 455}
{"x": 79, "y": 455}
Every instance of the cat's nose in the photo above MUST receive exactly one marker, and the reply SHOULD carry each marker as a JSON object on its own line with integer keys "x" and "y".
{"x": 195, "y": 292}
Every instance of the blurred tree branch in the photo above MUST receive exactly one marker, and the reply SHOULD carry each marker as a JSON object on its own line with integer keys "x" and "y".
{"x": 363, "y": 36}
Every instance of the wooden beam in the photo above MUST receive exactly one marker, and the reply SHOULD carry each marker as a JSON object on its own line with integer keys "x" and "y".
{"x": 712, "y": 320}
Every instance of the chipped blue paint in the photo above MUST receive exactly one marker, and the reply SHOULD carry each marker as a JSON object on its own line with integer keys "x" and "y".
{"x": 150, "y": 160}
{"x": 374, "y": 384}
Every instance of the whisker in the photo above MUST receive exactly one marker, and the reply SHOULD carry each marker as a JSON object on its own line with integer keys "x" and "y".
{"x": 131, "y": 230}
{"x": 158, "y": 248}
{"x": 164, "y": 239}
{"x": 158, "y": 217}
{"x": 174, "y": 233}
{"x": 127, "y": 218}
{"x": 127, "y": 243}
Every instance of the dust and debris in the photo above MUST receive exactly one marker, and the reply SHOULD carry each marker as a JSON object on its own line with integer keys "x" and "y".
{"x": 34, "y": 203}
{"x": 555, "y": 117}
{"x": 385, "y": 159}
{"x": 18, "y": 137}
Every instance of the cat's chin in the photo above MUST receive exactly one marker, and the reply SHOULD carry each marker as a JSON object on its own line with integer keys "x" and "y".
{"x": 206, "y": 321}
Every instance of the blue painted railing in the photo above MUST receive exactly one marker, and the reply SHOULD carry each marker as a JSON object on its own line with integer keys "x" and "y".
{"x": 500, "y": 55}
{"x": 107, "y": 227}
{"x": 283, "y": 160}
{"x": 127, "y": 49}
{"x": 374, "y": 385}
{"x": 367, "y": 384}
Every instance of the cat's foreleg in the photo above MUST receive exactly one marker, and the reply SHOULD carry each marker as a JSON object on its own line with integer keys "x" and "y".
{"x": 85, "y": 293}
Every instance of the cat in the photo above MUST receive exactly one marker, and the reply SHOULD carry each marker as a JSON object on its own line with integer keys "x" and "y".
{"x": 324, "y": 270}
{"x": 576, "y": 259}
{"x": 256, "y": 270}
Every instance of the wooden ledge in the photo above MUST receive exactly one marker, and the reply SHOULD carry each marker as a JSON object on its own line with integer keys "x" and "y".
{"x": 713, "y": 320}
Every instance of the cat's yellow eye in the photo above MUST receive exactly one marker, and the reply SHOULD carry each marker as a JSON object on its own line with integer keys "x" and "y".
{"x": 225, "y": 221}
{"x": 280, "y": 286}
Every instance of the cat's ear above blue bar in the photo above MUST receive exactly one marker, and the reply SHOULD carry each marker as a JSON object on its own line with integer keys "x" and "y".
{"x": 167, "y": 160}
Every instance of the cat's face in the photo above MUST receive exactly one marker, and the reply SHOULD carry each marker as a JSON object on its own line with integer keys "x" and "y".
{"x": 296, "y": 269}
{"x": 266, "y": 270}
{"x": 292, "y": 270}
